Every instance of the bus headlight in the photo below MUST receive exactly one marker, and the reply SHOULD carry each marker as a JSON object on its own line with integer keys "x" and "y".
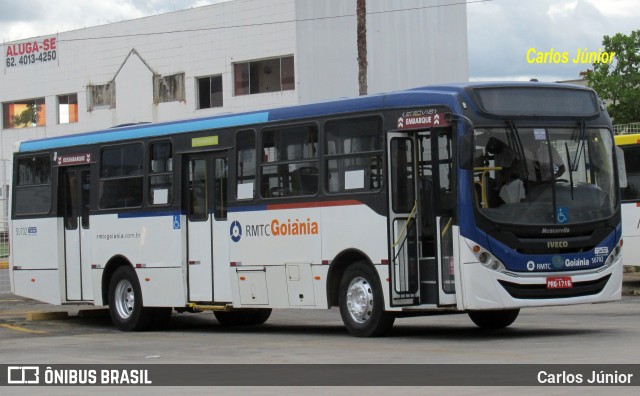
{"x": 617, "y": 251}
{"x": 487, "y": 260}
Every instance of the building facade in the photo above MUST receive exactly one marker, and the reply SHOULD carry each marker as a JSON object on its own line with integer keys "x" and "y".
{"x": 234, "y": 56}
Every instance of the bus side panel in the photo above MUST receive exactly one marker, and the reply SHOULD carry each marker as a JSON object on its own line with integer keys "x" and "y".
{"x": 37, "y": 259}
{"x": 631, "y": 233}
{"x": 282, "y": 241}
{"x": 162, "y": 287}
{"x": 356, "y": 227}
{"x": 41, "y": 285}
{"x": 148, "y": 242}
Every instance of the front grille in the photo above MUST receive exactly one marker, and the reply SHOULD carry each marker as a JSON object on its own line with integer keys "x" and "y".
{"x": 537, "y": 291}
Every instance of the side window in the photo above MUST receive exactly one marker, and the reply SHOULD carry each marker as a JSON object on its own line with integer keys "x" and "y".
{"x": 353, "y": 157}
{"x": 289, "y": 161}
{"x": 246, "y": 164}
{"x": 160, "y": 173}
{"x": 33, "y": 185}
{"x": 631, "y": 193}
{"x": 121, "y": 174}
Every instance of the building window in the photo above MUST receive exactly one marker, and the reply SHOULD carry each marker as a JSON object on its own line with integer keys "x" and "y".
{"x": 267, "y": 75}
{"x": 121, "y": 176}
{"x": 160, "y": 173}
{"x": 101, "y": 96}
{"x": 168, "y": 88}
{"x": 289, "y": 161}
{"x": 209, "y": 92}
{"x": 67, "y": 109}
{"x": 33, "y": 186}
{"x": 24, "y": 113}
{"x": 353, "y": 157}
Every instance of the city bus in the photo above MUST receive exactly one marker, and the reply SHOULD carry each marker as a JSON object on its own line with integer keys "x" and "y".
{"x": 630, "y": 197}
{"x": 474, "y": 198}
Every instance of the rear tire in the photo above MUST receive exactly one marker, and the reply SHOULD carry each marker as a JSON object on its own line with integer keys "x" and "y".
{"x": 242, "y": 317}
{"x": 492, "y": 320}
{"x": 125, "y": 301}
{"x": 362, "y": 302}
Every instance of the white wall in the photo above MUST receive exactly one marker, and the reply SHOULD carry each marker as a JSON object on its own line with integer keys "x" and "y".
{"x": 405, "y": 49}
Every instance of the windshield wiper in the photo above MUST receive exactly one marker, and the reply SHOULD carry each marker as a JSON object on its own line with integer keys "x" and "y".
{"x": 574, "y": 166}
{"x": 566, "y": 149}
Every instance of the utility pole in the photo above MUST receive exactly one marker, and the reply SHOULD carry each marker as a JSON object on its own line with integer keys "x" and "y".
{"x": 361, "y": 15}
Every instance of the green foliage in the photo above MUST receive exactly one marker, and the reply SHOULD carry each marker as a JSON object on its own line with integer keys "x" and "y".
{"x": 29, "y": 117}
{"x": 618, "y": 83}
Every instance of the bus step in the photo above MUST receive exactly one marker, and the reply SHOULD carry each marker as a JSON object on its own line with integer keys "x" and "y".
{"x": 198, "y": 307}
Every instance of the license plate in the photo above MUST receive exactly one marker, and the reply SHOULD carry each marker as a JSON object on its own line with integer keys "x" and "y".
{"x": 563, "y": 282}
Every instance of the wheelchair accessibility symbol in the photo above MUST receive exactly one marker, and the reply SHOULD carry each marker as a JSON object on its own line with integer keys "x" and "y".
{"x": 176, "y": 222}
{"x": 562, "y": 215}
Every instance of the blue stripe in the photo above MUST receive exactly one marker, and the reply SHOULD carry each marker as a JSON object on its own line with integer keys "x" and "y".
{"x": 255, "y": 208}
{"x": 145, "y": 130}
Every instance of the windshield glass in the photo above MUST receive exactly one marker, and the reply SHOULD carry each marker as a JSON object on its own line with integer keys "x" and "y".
{"x": 544, "y": 176}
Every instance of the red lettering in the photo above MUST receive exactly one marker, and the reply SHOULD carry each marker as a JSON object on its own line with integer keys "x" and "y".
{"x": 52, "y": 41}
{"x": 9, "y": 50}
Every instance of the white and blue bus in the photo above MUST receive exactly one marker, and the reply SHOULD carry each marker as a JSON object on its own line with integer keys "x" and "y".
{"x": 630, "y": 197}
{"x": 476, "y": 198}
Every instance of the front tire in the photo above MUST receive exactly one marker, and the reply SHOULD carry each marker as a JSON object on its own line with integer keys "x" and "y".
{"x": 493, "y": 320}
{"x": 362, "y": 302}
{"x": 125, "y": 301}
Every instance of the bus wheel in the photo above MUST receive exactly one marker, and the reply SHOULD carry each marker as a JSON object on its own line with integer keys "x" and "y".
{"x": 125, "y": 301}
{"x": 243, "y": 317}
{"x": 492, "y": 320}
{"x": 362, "y": 303}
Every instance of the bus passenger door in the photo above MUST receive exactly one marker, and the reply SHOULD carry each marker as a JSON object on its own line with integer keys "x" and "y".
{"x": 404, "y": 271}
{"x": 436, "y": 205}
{"x": 205, "y": 187}
{"x": 74, "y": 195}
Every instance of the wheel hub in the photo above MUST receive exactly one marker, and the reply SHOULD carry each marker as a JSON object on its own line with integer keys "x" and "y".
{"x": 125, "y": 298}
{"x": 360, "y": 300}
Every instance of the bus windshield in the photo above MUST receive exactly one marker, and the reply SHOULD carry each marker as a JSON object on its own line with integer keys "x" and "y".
{"x": 544, "y": 176}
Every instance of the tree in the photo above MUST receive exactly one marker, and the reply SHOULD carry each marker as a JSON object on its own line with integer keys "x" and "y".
{"x": 361, "y": 14}
{"x": 618, "y": 82}
{"x": 28, "y": 117}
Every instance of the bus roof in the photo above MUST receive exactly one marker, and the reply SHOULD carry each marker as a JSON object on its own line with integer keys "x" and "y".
{"x": 623, "y": 140}
{"x": 438, "y": 95}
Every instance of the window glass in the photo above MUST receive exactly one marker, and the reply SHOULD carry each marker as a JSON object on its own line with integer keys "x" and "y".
{"x": 160, "y": 174}
{"x": 24, "y": 113}
{"x": 246, "y": 164}
{"x": 121, "y": 170}
{"x": 33, "y": 186}
{"x": 353, "y": 150}
{"x": 209, "y": 92}
{"x": 289, "y": 161}
{"x": 67, "y": 109}
{"x": 265, "y": 75}
{"x": 631, "y": 193}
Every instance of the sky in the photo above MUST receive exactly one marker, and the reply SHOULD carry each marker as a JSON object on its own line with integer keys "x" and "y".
{"x": 504, "y": 36}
